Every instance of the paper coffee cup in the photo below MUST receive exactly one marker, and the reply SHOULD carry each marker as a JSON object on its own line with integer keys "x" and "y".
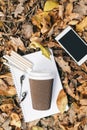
{"x": 41, "y": 89}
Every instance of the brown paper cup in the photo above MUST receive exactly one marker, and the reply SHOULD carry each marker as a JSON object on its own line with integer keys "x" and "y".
{"x": 41, "y": 90}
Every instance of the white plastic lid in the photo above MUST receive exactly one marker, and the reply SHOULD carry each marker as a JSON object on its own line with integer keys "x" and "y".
{"x": 41, "y": 75}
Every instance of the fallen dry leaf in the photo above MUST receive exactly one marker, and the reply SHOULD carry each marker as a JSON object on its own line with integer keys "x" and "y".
{"x": 83, "y": 102}
{"x": 50, "y": 4}
{"x": 1, "y": 24}
{"x": 33, "y": 123}
{"x": 52, "y": 44}
{"x": 63, "y": 64}
{"x": 3, "y": 117}
{"x": 73, "y": 22}
{"x": 15, "y": 15}
{"x": 7, "y": 78}
{"x": 19, "y": 9}
{"x": 61, "y": 11}
{"x": 81, "y": 8}
{"x": 68, "y": 89}
{"x": 82, "y": 25}
{"x": 3, "y": 85}
{"x": 15, "y": 120}
{"x": 42, "y": 20}
{"x": 6, "y": 107}
{"x": 27, "y": 30}
{"x": 18, "y": 42}
{"x": 62, "y": 101}
{"x": 84, "y": 67}
{"x": 44, "y": 50}
{"x": 1, "y": 14}
{"x": 10, "y": 91}
{"x": 69, "y": 8}
{"x": 6, "y": 126}
{"x": 82, "y": 89}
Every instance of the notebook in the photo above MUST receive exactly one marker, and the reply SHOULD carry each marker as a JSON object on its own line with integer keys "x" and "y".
{"x": 40, "y": 63}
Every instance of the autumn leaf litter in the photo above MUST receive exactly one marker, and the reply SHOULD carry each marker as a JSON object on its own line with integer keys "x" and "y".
{"x": 31, "y": 25}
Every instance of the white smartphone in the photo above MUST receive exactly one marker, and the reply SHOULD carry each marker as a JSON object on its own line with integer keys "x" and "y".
{"x": 73, "y": 45}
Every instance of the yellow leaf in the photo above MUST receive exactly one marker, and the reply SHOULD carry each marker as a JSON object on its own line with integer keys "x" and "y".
{"x": 1, "y": 24}
{"x": 44, "y": 50}
{"x": 39, "y": 18}
{"x": 81, "y": 26}
{"x": 73, "y": 22}
{"x": 50, "y": 4}
{"x": 36, "y": 128}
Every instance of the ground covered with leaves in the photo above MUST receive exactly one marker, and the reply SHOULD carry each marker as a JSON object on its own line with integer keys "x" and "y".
{"x": 23, "y": 22}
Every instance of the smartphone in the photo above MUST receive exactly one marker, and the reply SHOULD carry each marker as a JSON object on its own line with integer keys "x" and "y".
{"x": 73, "y": 45}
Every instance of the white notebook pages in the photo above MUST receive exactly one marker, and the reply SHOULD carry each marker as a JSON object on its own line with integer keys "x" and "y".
{"x": 40, "y": 63}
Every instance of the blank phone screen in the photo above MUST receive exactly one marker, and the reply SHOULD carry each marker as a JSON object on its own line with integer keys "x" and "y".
{"x": 74, "y": 45}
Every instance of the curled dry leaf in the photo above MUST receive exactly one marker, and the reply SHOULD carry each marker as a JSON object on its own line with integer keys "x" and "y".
{"x": 68, "y": 90}
{"x": 15, "y": 120}
{"x": 6, "y": 107}
{"x": 62, "y": 101}
{"x": 27, "y": 30}
{"x": 9, "y": 46}
{"x": 82, "y": 89}
{"x": 50, "y": 5}
{"x": 69, "y": 18}
{"x": 82, "y": 25}
{"x": 18, "y": 43}
{"x": 45, "y": 26}
{"x": 36, "y": 37}
{"x": 63, "y": 64}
